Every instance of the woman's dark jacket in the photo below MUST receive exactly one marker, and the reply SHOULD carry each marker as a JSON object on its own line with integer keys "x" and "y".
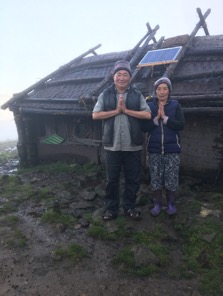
{"x": 164, "y": 138}
{"x": 133, "y": 103}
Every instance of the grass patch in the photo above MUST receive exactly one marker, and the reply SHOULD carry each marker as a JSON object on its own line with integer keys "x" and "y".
{"x": 59, "y": 167}
{"x": 153, "y": 241}
{"x": 211, "y": 282}
{"x": 6, "y": 151}
{"x": 8, "y": 207}
{"x": 42, "y": 194}
{"x": 18, "y": 240}
{"x": 162, "y": 252}
{"x": 55, "y": 218}
{"x": 56, "y": 167}
{"x": 145, "y": 238}
{"x": 125, "y": 259}
{"x": 97, "y": 230}
{"x": 10, "y": 219}
{"x": 204, "y": 254}
{"x": 12, "y": 188}
{"x": 194, "y": 206}
{"x": 217, "y": 199}
{"x": 74, "y": 252}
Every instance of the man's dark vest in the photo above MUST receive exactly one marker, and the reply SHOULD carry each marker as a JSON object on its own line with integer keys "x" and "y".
{"x": 110, "y": 103}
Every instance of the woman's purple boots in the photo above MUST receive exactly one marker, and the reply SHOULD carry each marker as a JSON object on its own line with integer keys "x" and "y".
{"x": 170, "y": 197}
{"x": 158, "y": 203}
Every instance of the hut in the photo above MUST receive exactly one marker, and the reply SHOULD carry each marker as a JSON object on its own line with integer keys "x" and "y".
{"x": 53, "y": 116}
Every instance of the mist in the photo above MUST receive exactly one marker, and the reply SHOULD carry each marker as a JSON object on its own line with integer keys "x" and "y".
{"x": 8, "y": 129}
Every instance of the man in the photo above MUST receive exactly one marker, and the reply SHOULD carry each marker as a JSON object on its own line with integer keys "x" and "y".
{"x": 121, "y": 107}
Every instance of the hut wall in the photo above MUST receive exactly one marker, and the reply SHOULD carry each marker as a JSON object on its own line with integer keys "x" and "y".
{"x": 69, "y": 152}
{"x": 78, "y": 133}
{"x": 202, "y": 146}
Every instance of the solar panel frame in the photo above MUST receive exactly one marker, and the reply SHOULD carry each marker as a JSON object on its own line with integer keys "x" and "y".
{"x": 160, "y": 56}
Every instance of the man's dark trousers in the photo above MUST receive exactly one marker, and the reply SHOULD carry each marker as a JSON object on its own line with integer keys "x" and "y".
{"x": 130, "y": 162}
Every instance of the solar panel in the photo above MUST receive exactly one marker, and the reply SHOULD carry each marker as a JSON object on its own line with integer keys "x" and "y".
{"x": 160, "y": 56}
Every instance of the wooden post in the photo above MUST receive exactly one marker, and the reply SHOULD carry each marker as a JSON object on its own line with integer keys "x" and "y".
{"x": 21, "y": 144}
{"x": 171, "y": 68}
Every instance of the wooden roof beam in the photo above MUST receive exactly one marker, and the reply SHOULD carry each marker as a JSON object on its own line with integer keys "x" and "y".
{"x": 172, "y": 67}
{"x": 199, "y": 24}
{"x": 150, "y": 31}
{"x": 132, "y": 56}
{"x": 61, "y": 70}
{"x": 148, "y": 36}
{"x": 202, "y": 21}
{"x": 150, "y": 69}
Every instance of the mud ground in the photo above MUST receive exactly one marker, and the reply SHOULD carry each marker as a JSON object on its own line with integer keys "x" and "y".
{"x": 35, "y": 270}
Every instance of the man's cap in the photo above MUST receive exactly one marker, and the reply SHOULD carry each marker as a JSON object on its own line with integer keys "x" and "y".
{"x": 122, "y": 65}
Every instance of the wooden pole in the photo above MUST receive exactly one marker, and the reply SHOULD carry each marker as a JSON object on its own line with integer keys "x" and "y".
{"x": 149, "y": 36}
{"x": 137, "y": 71}
{"x": 172, "y": 67}
{"x": 203, "y": 23}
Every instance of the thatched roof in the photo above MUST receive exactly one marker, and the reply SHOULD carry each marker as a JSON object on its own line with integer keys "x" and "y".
{"x": 74, "y": 87}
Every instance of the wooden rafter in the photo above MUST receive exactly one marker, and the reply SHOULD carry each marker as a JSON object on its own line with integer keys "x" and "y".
{"x": 132, "y": 56}
{"x": 172, "y": 67}
{"x": 202, "y": 21}
{"x": 61, "y": 70}
{"x": 138, "y": 71}
{"x": 150, "y": 30}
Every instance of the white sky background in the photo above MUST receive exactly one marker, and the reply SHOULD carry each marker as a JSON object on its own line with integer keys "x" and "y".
{"x": 39, "y": 36}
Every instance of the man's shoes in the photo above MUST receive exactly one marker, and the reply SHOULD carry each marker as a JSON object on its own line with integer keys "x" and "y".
{"x": 108, "y": 216}
{"x": 134, "y": 214}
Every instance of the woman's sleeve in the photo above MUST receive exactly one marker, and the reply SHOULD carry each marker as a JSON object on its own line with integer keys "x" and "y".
{"x": 179, "y": 122}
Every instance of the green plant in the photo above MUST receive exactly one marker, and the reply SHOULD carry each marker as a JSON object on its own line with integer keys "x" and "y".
{"x": 41, "y": 194}
{"x": 217, "y": 198}
{"x": 204, "y": 257}
{"x": 14, "y": 189}
{"x": 162, "y": 252}
{"x": 10, "y": 219}
{"x": 7, "y": 154}
{"x": 88, "y": 216}
{"x": 121, "y": 222}
{"x": 194, "y": 205}
{"x": 98, "y": 229}
{"x": 145, "y": 270}
{"x": 53, "y": 217}
{"x": 211, "y": 282}
{"x": 59, "y": 167}
{"x": 74, "y": 251}
{"x": 100, "y": 232}
{"x": 8, "y": 207}
{"x": 154, "y": 241}
{"x": 125, "y": 259}
{"x": 18, "y": 240}
{"x": 147, "y": 237}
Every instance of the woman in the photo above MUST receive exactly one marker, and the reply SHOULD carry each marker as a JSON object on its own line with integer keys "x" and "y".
{"x": 164, "y": 145}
